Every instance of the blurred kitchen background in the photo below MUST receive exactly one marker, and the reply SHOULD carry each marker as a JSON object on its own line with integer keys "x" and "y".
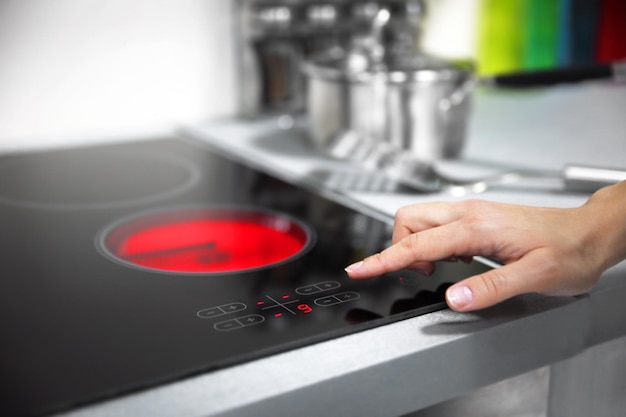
{"x": 100, "y": 70}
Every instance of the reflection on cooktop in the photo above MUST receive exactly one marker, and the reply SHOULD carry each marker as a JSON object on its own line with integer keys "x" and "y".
{"x": 56, "y": 180}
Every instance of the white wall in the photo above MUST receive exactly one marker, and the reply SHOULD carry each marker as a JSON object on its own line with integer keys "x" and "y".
{"x": 451, "y": 28}
{"x": 93, "y": 70}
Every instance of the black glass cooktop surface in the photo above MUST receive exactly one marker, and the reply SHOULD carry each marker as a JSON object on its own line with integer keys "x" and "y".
{"x": 132, "y": 265}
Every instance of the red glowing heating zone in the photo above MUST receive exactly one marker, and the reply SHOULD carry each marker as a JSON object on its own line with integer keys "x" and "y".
{"x": 207, "y": 241}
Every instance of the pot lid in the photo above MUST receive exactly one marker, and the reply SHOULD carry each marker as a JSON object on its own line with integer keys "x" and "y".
{"x": 387, "y": 52}
{"x": 395, "y": 66}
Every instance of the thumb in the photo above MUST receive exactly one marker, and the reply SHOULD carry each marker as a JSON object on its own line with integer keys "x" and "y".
{"x": 490, "y": 288}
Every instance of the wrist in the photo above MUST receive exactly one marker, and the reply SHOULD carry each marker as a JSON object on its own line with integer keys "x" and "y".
{"x": 604, "y": 219}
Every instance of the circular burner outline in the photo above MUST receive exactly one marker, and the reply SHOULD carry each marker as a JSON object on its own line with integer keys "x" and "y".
{"x": 311, "y": 238}
{"x": 193, "y": 178}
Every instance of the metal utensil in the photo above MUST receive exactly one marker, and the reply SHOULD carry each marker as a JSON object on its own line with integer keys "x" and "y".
{"x": 425, "y": 177}
{"x": 400, "y": 168}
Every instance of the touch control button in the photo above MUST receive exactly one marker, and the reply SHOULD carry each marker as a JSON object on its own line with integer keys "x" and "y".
{"x": 238, "y": 323}
{"x": 209, "y": 313}
{"x": 307, "y": 290}
{"x": 347, "y": 296}
{"x": 233, "y": 307}
{"x": 251, "y": 319}
{"x": 327, "y": 301}
{"x": 319, "y": 287}
{"x": 328, "y": 285}
{"x": 224, "y": 326}
{"x": 337, "y": 298}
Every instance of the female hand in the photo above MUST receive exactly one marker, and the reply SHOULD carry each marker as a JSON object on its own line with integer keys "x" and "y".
{"x": 546, "y": 250}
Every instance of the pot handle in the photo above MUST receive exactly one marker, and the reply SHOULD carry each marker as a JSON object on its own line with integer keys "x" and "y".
{"x": 591, "y": 178}
{"x": 376, "y": 41}
{"x": 458, "y": 95}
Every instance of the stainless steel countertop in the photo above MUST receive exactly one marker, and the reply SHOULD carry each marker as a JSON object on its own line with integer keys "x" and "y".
{"x": 414, "y": 363}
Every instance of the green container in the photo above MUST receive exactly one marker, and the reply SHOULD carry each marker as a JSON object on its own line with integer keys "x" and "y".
{"x": 541, "y": 34}
{"x": 501, "y": 36}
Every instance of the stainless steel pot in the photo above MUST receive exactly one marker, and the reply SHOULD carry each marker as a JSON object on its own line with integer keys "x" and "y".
{"x": 371, "y": 99}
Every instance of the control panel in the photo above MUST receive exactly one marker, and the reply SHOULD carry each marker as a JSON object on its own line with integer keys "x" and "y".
{"x": 304, "y": 300}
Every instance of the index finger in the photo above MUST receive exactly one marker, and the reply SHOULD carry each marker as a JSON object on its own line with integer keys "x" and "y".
{"x": 427, "y": 246}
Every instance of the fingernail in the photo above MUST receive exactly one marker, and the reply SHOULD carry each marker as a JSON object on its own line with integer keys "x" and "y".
{"x": 354, "y": 266}
{"x": 459, "y": 297}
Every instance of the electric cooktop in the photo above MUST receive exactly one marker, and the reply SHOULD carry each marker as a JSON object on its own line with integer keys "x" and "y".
{"x": 131, "y": 265}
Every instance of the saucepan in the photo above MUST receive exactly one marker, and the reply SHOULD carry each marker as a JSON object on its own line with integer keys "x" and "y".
{"x": 374, "y": 98}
